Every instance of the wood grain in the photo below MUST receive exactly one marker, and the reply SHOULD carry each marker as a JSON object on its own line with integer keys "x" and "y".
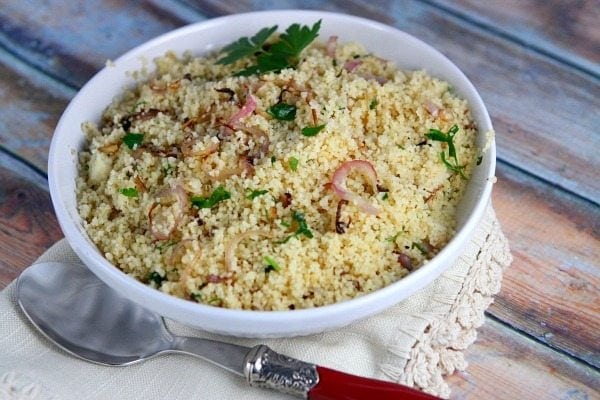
{"x": 552, "y": 290}
{"x": 534, "y": 65}
{"x": 30, "y": 106}
{"x": 72, "y": 40}
{"x": 505, "y": 365}
{"x": 566, "y": 30}
{"x": 28, "y": 225}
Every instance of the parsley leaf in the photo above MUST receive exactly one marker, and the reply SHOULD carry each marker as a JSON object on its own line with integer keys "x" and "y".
{"x": 129, "y": 192}
{"x": 255, "y": 193}
{"x": 246, "y": 46}
{"x": 373, "y": 103}
{"x": 302, "y": 227}
{"x": 156, "y": 278}
{"x": 284, "y": 53}
{"x": 283, "y": 111}
{"x": 218, "y": 195}
{"x": 272, "y": 265}
{"x": 293, "y": 163}
{"x": 312, "y": 130}
{"x": 457, "y": 169}
{"x": 133, "y": 139}
{"x": 448, "y": 138}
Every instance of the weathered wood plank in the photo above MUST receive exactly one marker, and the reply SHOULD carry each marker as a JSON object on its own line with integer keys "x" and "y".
{"x": 510, "y": 307}
{"x": 545, "y": 113}
{"x": 28, "y": 225}
{"x": 73, "y": 40}
{"x": 568, "y": 31}
{"x": 505, "y": 365}
{"x": 30, "y": 106}
{"x": 552, "y": 290}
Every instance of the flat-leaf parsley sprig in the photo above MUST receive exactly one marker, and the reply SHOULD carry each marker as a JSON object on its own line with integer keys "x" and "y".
{"x": 448, "y": 138}
{"x": 283, "y": 53}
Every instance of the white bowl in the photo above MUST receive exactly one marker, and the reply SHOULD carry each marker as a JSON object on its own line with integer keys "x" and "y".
{"x": 382, "y": 40}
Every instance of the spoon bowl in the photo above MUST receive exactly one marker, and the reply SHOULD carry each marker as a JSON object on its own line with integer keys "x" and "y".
{"x": 85, "y": 317}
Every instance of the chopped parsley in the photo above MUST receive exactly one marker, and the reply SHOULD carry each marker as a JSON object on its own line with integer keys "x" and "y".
{"x": 283, "y": 111}
{"x": 479, "y": 160}
{"x": 133, "y": 139}
{"x": 245, "y": 46}
{"x": 373, "y": 103}
{"x": 273, "y": 159}
{"x": 312, "y": 130}
{"x": 272, "y": 265}
{"x": 215, "y": 299}
{"x": 167, "y": 169}
{"x": 421, "y": 247}
{"x": 448, "y": 138}
{"x": 129, "y": 192}
{"x": 156, "y": 278}
{"x": 283, "y": 53}
{"x": 386, "y": 195}
{"x": 197, "y": 296}
{"x": 392, "y": 239}
{"x": 302, "y": 227}
{"x": 218, "y": 195}
{"x": 293, "y": 163}
{"x": 252, "y": 194}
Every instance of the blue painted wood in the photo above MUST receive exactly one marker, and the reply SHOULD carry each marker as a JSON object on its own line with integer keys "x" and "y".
{"x": 30, "y": 105}
{"x": 543, "y": 110}
{"x": 565, "y": 30}
{"x": 72, "y": 40}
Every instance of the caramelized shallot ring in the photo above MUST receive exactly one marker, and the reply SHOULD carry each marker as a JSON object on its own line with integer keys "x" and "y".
{"x": 183, "y": 201}
{"x": 331, "y": 46}
{"x": 339, "y": 187}
{"x": 247, "y": 109}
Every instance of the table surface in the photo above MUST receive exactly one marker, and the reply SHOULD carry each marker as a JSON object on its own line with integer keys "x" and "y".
{"x": 536, "y": 64}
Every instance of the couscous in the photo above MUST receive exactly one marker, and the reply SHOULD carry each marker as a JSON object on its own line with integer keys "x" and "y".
{"x": 274, "y": 190}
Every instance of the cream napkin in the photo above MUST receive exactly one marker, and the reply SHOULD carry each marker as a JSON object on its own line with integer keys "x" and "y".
{"x": 416, "y": 342}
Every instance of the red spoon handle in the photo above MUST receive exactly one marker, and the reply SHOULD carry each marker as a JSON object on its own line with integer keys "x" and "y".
{"x": 336, "y": 385}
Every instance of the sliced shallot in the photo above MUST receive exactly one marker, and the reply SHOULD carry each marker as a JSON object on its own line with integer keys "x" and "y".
{"x": 351, "y": 65}
{"x": 432, "y": 108}
{"x": 331, "y": 46}
{"x": 230, "y": 260}
{"x": 183, "y": 203}
{"x": 338, "y": 183}
{"x": 247, "y": 109}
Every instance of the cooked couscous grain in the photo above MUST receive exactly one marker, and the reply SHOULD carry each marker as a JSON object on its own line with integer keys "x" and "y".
{"x": 276, "y": 191}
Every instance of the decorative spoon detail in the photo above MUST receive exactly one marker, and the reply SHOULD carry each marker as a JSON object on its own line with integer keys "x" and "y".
{"x": 82, "y": 315}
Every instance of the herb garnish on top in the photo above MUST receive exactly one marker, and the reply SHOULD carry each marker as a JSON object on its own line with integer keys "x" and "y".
{"x": 283, "y": 53}
{"x": 218, "y": 195}
{"x": 448, "y": 138}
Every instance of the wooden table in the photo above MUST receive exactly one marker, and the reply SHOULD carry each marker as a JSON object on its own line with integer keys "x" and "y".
{"x": 537, "y": 67}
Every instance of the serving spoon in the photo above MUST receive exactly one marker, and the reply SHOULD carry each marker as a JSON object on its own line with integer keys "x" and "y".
{"x": 81, "y": 314}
